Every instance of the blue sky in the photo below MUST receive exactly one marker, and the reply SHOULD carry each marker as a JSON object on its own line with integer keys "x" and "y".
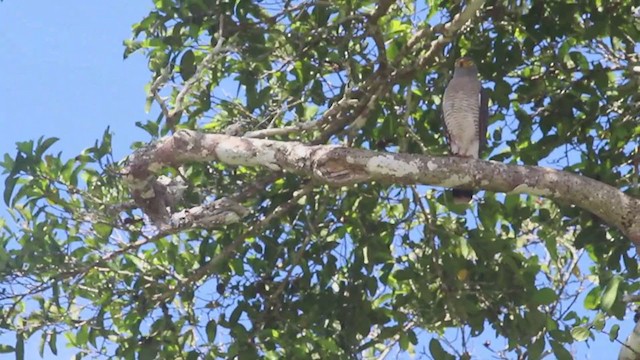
{"x": 63, "y": 75}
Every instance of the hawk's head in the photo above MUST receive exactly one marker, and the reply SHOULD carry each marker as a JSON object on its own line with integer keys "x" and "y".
{"x": 465, "y": 62}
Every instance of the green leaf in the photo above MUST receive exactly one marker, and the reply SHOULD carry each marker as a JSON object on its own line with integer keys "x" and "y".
{"x": 580, "y": 60}
{"x": 187, "y": 65}
{"x": 434, "y": 5}
{"x": 310, "y": 111}
{"x": 501, "y": 93}
{"x": 592, "y": 300}
{"x": 438, "y": 352}
{"x": 511, "y": 202}
{"x": 26, "y": 147}
{"x": 103, "y": 230}
{"x": 82, "y": 336}
{"x": 43, "y": 341}
{"x": 544, "y": 296}
{"x": 53, "y": 343}
{"x": 598, "y": 322}
{"x": 403, "y": 341}
{"x": 211, "y": 330}
{"x": 10, "y": 182}
{"x": 235, "y": 315}
{"x": 560, "y": 352}
{"x": 137, "y": 262}
{"x": 147, "y": 104}
{"x": 149, "y": 351}
{"x": 610, "y": 293}
{"x": 580, "y": 333}
{"x": 536, "y": 349}
{"x": 613, "y": 333}
{"x": 43, "y": 146}
{"x": 237, "y": 266}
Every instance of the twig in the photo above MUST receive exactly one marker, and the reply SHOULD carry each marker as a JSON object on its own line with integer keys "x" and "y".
{"x": 154, "y": 90}
{"x": 406, "y": 116}
{"x": 193, "y": 79}
{"x": 628, "y": 298}
{"x": 303, "y": 126}
{"x": 186, "y": 88}
{"x": 381, "y": 10}
{"x": 448, "y": 30}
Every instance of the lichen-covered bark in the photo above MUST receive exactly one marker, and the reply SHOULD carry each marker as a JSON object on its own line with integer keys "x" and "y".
{"x": 335, "y": 165}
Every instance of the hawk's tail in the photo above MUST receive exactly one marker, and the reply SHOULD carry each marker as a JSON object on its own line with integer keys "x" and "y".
{"x": 462, "y": 196}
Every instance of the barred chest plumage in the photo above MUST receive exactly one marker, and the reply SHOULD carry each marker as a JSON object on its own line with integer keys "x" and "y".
{"x": 461, "y": 108}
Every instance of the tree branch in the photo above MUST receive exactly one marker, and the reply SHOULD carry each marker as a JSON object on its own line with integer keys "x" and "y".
{"x": 335, "y": 165}
{"x": 355, "y": 111}
{"x": 435, "y": 47}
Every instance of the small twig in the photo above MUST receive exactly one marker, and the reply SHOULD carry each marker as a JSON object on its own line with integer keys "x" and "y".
{"x": 453, "y": 27}
{"x": 189, "y": 83}
{"x": 361, "y": 119}
{"x": 294, "y": 262}
{"x": 154, "y": 90}
{"x": 406, "y": 116}
{"x": 395, "y": 340}
{"x": 206, "y": 62}
{"x": 381, "y": 10}
{"x": 628, "y": 298}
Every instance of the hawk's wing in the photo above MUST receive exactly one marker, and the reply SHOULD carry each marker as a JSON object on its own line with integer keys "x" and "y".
{"x": 483, "y": 117}
{"x": 444, "y": 122}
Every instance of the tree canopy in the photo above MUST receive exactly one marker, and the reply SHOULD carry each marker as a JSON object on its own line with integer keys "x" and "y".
{"x": 290, "y": 199}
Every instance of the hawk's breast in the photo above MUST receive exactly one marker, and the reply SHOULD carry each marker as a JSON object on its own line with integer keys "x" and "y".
{"x": 461, "y": 108}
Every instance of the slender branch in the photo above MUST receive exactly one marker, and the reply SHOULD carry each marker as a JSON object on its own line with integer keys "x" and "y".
{"x": 299, "y": 127}
{"x": 175, "y": 113}
{"x": 332, "y": 120}
{"x": 155, "y": 91}
{"x": 628, "y": 298}
{"x": 381, "y": 10}
{"x": 448, "y": 31}
{"x": 378, "y": 84}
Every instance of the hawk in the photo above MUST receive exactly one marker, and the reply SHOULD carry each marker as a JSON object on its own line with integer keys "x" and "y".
{"x": 465, "y": 112}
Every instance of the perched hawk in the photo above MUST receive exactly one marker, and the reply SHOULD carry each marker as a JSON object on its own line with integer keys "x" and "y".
{"x": 465, "y": 110}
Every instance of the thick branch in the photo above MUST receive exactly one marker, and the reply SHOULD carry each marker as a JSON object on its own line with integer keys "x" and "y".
{"x": 335, "y": 165}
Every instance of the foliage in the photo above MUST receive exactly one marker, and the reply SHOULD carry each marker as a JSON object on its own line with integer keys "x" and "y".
{"x": 354, "y": 271}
